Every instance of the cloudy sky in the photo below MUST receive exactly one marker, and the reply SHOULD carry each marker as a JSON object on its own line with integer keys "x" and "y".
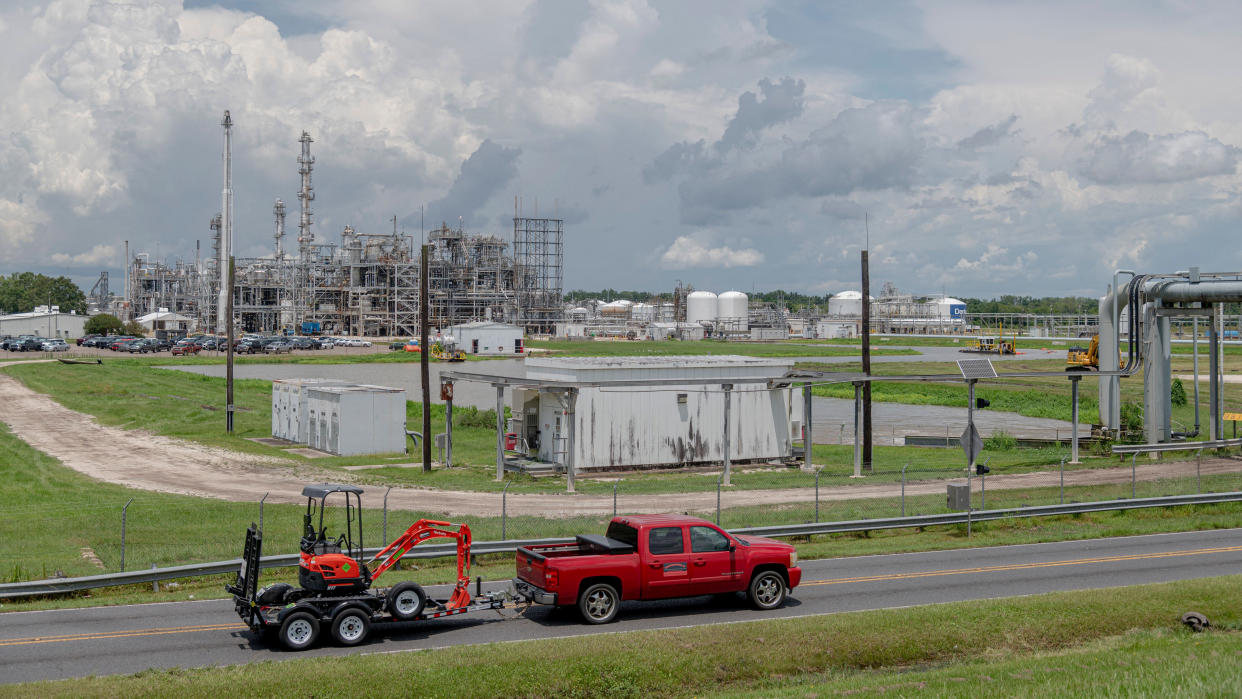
{"x": 994, "y": 147}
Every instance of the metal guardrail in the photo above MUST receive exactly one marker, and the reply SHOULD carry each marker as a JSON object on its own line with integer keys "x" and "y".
{"x": 62, "y": 585}
{"x": 1175, "y": 446}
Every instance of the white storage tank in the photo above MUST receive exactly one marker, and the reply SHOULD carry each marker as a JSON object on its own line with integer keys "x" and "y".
{"x": 732, "y": 311}
{"x": 644, "y": 312}
{"x": 700, "y": 307}
{"x": 846, "y": 303}
{"x": 616, "y": 309}
{"x": 950, "y": 309}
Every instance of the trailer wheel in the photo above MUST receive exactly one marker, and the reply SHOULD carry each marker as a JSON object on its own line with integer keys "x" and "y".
{"x": 406, "y": 601}
{"x": 351, "y": 626}
{"x": 599, "y": 603}
{"x": 299, "y": 631}
{"x": 767, "y": 590}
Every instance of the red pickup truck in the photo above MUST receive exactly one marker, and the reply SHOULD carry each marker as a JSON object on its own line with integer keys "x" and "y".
{"x": 646, "y": 557}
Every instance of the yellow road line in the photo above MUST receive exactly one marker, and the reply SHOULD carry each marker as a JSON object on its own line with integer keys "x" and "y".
{"x": 1022, "y": 566}
{"x": 132, "y": 633}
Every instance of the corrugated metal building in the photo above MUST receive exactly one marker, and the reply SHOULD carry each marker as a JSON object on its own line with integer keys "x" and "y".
{"x": 658, "y": 425}
{"x": 339, "y": 417}
{"x": 487, "y": 337}
{"x": 44, "y": 323}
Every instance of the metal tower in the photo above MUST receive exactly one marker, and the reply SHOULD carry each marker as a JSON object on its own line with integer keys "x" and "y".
{"x": 226, "y": 230}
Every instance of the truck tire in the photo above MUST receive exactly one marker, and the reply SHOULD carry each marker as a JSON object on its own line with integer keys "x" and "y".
{"x": 299, "y": 631}
{"x": 406, "y": 601}
{"x": 351, "y": 626}
{"x": 599, "y": 603}
{"x": 767, "y": 590}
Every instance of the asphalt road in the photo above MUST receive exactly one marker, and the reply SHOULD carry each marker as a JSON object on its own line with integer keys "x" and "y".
{"x": 110, "y": 640}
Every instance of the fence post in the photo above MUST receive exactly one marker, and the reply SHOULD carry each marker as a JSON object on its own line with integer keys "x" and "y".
{"x": 385, "y": 535}
{"x": 1062, "y": 480}
{"x": 124, "y": 512}
{"x": 155, "y": 584}
{"x": 816, "y": 495}
{"x": 1133, "y": 476}
{"x": 614, "y": 496}
{"x": 983, "y": 487}
{"x": 261, "y": 511}
{"x": 504, "y": 511}
{"x": 718, "y": 481}
{"x": 1198, "y": 473}
{"x": 903, "y": 489}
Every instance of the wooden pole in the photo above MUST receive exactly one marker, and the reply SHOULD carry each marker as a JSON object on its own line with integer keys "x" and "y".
{"x": 424, "y": 358}
{"x": 866, "y": 362}
{"x": 228, "y": 357}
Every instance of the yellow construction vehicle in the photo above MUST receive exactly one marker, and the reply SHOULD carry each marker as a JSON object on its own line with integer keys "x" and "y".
{"x": 447, "y": 352}
{"x": 1078, "y": 358}
{"x": 989, "y": 344}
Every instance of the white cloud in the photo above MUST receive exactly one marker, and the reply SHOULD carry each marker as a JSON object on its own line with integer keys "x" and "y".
{"x": 95, "y": 257}
{"x": 1142, "y": 158}
{"x": 688, "y": 253}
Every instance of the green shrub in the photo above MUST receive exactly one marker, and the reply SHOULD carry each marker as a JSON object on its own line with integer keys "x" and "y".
{"x": 1132, "y": 419}
{"x": 1000, "y": 441}
{"x": 470, "y": 416}
{"x": 1177, "y": 394}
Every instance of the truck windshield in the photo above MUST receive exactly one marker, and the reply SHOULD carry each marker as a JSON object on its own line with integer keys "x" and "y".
{"x": 623, "y": 533}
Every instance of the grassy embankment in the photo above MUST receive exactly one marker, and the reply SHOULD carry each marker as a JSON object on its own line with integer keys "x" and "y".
{"x": 71, "y": 524}
{"x": 1122, "y": 642}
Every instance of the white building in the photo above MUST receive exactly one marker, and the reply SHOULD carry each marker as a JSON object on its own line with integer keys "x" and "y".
{"x": 167, "y": 321}
{"x": 620, "y": 426}
{"x": 487, "y": 337}
{"x": 44, "y": 323}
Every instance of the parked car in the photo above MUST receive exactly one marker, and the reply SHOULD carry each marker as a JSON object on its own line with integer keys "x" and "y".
{"x": 29, "y": 343}
{"x": 184, "y": 347}
{"x": 213, "y": 343}
{"x": 119, "y": 342}
{"x": 646, "y": 557}
{"x": 82, "y": 341}
{"x": 55, "y": 345}
{"x": 163, "y": 344}
{"x": 277, "y": 346}
{"x": 143, "y": 346}
{"x": 250, "y": 345}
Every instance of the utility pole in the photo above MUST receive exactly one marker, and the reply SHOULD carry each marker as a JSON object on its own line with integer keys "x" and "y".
{"x": 424, "y": 359}
{"x": 866, "y": 362}
{"x": 228, "y": 357}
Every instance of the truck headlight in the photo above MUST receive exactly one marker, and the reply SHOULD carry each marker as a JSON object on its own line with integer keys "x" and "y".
{"x": 793, "y": 558}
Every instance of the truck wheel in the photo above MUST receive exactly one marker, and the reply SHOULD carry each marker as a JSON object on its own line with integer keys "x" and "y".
{"x": 351, "y": 626}
{"x": 406, "y": 601}
{"x": 299, "y": 631}
{"x": 767, "y": 590}
{"x": 599, "y": 603}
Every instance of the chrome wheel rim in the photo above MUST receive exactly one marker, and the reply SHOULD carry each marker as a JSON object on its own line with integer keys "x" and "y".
{"x": 299, "y": 632}
{"x": 351, "y": 627}
{"x": 768, "y": 590}
{"x": 407, "y": 602}
{"x": 600, "y": 604}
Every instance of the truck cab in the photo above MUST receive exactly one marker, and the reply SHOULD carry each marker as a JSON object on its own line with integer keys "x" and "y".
{"x": 649, "y": 557}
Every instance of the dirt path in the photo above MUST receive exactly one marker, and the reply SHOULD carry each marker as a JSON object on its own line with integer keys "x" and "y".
{"x": 139, "y": 459}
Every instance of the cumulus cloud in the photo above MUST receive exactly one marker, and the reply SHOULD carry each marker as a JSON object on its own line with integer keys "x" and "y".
{"x": 95, "y": 257}
{"x": 1143, "y": 158}
{"x": 686, "y": 253}
{"x": 989, "y": 135}
{"x": 781, "y": 102}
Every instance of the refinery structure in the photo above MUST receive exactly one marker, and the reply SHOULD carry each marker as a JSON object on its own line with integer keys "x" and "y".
{"x": 362, "y": 284}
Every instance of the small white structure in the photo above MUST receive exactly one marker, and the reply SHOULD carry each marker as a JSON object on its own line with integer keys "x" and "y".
{"x": 356, "y": 419}
{"x": 488, "y": 337}
{"x": 44, "y": 322}
{"x": 758, "y": 333}
{"x": 846, "y": 303}
{"x": 289, "y": 407}
{"x": 657, "y": 425}
{"x": 827, "y": 329}
{"x": 166, "y": 320}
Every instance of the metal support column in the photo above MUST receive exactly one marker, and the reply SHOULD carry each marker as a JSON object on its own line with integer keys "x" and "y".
{"x": 1074, "y": 416}
{"x": 858, "y": 420}
{"x": 807, "y": 442}
{"x": 448, "y": 425}
{"x": 1215, "y": 426}
{"x": 569, "y": 447}
{"x": 728, "y": 428}
{"x": 500, "y": 432}
{"x": 970, "y": 424}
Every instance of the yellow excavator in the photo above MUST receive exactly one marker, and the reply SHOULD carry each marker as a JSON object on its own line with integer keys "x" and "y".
{"x": 446, "y": 351}
{"x": 1078, "y": 358}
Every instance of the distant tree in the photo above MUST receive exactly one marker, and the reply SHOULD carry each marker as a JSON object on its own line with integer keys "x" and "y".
{"x": 134, "y": 328}
{"x": 103, "y": 324}
{"x": 20, "y": 292}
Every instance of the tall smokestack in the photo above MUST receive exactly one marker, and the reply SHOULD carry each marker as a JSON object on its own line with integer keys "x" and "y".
{"x": 306, "y": 195}
{"x": 226, "y": 224}
{"x": 279, "y": 211}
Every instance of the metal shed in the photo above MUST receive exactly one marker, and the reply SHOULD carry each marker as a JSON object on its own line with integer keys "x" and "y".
{"x": 487, "y": 337}
{"x": 351, "y": 420}
{"x": 289, "y": 405}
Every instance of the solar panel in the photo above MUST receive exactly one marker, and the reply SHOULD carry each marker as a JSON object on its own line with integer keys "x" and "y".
{"x": 976, "y": 368}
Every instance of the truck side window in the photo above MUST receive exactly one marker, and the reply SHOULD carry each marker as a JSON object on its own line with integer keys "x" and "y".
{"x": 707, "y": 540}
{"x": 665, "y": 540}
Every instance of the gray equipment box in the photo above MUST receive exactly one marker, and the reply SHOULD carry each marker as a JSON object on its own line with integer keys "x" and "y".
{"x": 959, "y": 497}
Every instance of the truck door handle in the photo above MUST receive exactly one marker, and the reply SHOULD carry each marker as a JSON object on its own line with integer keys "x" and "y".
{"x": 655, "y": 565}
{"x": 700, "y": 562}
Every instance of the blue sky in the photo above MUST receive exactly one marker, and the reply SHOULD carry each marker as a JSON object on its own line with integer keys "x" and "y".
{"x": 995, "y": 148}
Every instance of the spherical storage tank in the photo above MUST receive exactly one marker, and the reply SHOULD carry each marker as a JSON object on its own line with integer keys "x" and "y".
{"x": 732, "y": 310}
{"x": 846, "y": 303}
{"x": 700, "y": 306}
{"x": 950, "y": 309}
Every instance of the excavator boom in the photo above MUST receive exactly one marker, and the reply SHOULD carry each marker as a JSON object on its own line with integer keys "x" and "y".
{"x": 426, "y": 530}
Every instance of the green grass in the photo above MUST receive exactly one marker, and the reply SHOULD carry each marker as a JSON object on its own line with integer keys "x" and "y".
{"x": 1114, "y": 641}
{"x": 594, "y": 348}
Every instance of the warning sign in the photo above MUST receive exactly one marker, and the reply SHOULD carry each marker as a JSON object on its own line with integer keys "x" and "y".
{"x": 1232, "y": 416}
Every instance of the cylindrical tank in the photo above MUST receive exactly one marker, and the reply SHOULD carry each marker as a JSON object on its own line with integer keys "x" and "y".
{"x": 616, "y": 309}
{"x": 700, "y": 307}
{"x": 846, "y": 303}
{"x": 578, "y": 314}
{"x": 732, "y": 311}
{"x": 643, "y": 312}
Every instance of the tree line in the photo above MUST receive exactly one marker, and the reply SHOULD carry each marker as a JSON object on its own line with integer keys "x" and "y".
{"x": 20, "y": 292}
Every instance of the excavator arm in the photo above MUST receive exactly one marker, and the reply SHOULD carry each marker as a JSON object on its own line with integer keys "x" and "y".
{"x": 425, "y": 530}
